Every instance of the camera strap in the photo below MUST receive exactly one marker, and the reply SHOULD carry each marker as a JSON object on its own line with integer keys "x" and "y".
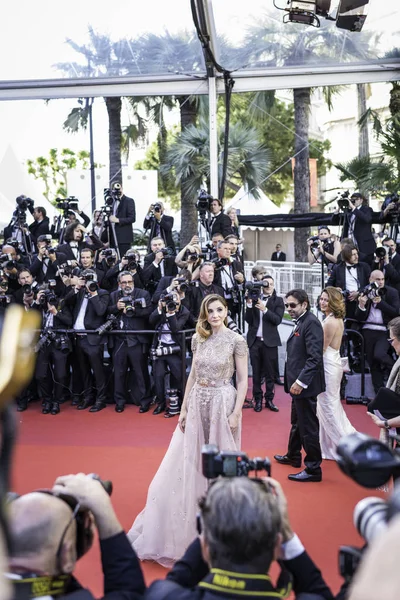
{"x": 244, "y": 584}
{"x": 34, "y": 586}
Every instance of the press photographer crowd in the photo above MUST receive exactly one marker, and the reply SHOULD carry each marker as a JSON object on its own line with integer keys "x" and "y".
{"x": 117, "y": 328}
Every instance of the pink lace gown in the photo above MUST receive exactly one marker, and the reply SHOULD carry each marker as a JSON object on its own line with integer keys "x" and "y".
{"x": 167, "y": 524}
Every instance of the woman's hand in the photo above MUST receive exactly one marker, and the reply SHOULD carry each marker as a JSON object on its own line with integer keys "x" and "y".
{"x": 182, "y": 419}
{"x": 376, "y": 420}
{"x": 234, "y": 420}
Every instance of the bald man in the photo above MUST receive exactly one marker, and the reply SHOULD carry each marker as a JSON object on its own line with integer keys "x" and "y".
{"x": 44, "y": 536}
{"x": 376, "y": 307}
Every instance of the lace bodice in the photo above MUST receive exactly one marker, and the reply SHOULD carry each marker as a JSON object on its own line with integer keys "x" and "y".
{"x": 214, "y": 358}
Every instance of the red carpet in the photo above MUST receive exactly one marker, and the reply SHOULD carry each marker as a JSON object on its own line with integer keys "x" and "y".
{"x": 127, "y": 448}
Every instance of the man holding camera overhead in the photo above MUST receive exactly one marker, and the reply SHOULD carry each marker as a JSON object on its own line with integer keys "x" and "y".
{"x": 122, "y": 217}
{"x": 264, "y": 313}
{"x": 160, "y": 225}
{"x": 377, "y": 305}
{"x": 132, "y": 308}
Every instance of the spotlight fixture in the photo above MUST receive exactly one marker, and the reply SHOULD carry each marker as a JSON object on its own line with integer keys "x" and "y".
{"x": 348, "y": 15}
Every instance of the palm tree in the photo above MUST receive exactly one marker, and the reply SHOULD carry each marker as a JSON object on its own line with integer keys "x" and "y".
{"x": 188, "y": 156}
{"x": 272, "y": 44}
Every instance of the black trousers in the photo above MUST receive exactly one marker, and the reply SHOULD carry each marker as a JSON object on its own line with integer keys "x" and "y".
{"x": 304, "y": 433}
{"x": 376, "y": 350}
{"x": 173, "y": 362}
{"x": 134, "y": 358}
{"x": 90, "y": 359}
{"x": 51, "y": 374}
{"x": 264, "y": 362}
{"x": 123, "y": 249}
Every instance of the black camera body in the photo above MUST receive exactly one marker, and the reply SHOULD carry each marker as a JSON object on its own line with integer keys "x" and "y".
{"x": 109, "y": 325}
{"x": 344, "y": 202}
{"x": 166, "y": 350}
{"x": 166, "y": 252}
{"x": 219, "y": 263}
{"x": 66, "y": 204}
{"x": 382, "y": 251}
{"x": 90, "y": 279}
{"x": 23, "y": 203}
{"x": 203, "y": 202}
{"x": 157, "y": 207}
{"x": 48, "y": 297}
{"x": 230, "y": 463}
{"x": 372, "y": 290}
{"x": 169, "y": 300}
{"x": 254, "y": 290}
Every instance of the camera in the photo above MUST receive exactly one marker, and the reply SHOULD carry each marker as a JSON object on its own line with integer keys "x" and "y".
{"x": 166, "y": 350}
{"x": 111, "y": 323}
{"x": 219, "y": 263}
{"x": 47, "y": 337}
{"x": 254, "y": 290}
{"x": 343, "y": 201}
{"x": 203, "y": 202}
{"x": 23, "y": 202}
{"x": 230, "y": 463}
{"x": 370, "y": 463}
{"x": 48, "y": 297}
{"x": 66, "y": 204}
{"x": 110, "y": 195}
{"x": 382, "y": 252}
{"x": 169, "y": 300}
{"x": 166, "y": 252}
{"x": 157, "y": 207}
{"x": 27, "y": 289}
{"x": 372, "y": 290}
{"x": 183, "y": 286}
{"x": 90, "y": 278}
{"x": 63, "y": 343}
{"x": 5, "y": 300}
{"x": 133, "y": 263}
{"x": 315, "y": 242}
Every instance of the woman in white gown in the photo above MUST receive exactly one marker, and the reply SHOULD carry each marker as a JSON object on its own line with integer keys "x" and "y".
{"x": 333, "y": 421}
{"x": 211, "y": 414}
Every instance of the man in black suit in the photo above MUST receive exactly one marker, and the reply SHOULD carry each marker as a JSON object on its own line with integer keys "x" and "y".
{"x": 218, "y": 222}
{"x": 203, "y": 287}
{"x": 41, "y": 223}
{"x": 130, "y": 350}
{"x": 357, "y": 225}
{"x": 89, "y": 311}
{"x": 229, "y": 275}
{"x": 124, "y": 215}
{"x": 376, "y": 307}
{"x": 263, "y": 316}
{"x": 218, "y": 565}
{"x": 157, "y": 264}
{"x": 350, "y": 275}
{"x": 278, "y": 255}
{"x": 47, "y": 261}
{"x": 168, "y": 321}
{"x": 304, "y": 380}
{"x": 160, "y": 225}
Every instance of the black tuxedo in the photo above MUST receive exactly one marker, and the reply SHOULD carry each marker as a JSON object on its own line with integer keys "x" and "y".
{"x": 337, "y": 278}
{"x": 126, "y": 213}
{"x": 264, "y": 348}
{"x": 220, "y": 224}
{"x": 110, "y": 279}
{"x": 162, "y": 228}
{"x": 171, "y": 362}
{"x": 129, "y": 351}
{"x": 304, "y": 363}
{"x": 233, "y": 299}
{"x": 69, "y": 253}
{"x": 41, "y": 228}
{"x": 162, "y": 286}
{"x": 184, "y": 581}
{"x": 38, "y": 271}
{"x": 363, "y": 217}
{"x": 151, "y": 274}
{"x": 282, "y": 257}
{"x": 199, "y": 293}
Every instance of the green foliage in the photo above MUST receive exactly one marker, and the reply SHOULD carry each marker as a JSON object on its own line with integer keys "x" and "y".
{"x": 53, "y": 170}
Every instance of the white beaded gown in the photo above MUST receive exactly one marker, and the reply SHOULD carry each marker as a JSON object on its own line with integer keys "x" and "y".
{"x": 167, "y": 524}
{"x": 333, "y": 421}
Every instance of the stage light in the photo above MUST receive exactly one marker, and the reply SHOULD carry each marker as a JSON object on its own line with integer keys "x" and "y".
{"x": 349, "y": 14}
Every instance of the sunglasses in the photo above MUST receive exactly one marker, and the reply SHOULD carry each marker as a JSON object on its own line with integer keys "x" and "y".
{"x": 292, "y": 305}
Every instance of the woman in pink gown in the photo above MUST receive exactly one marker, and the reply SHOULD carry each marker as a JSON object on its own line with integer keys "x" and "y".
{"x": 211, "y": 414}
{"x": 333, "y": 421}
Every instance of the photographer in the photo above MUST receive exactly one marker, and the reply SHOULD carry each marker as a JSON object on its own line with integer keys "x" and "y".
{"x": 25, "y": 295}
{"x": 69, "y": 217}
{"x": 50, "y": 531}
{"x": 323, "y": 248}
{"x": 377, "y": 305}
{"x": 131, "y": 263}
{"x": 168, "y": 319}
{"x": 52, "y": 351}
{"x": 264, "y": 313}
{"x": 218, "y": 221}
{"x": 123, "y": 215}
{"x": 86, "y": 261}
{"x": 159, "y": 263}
{"x": 160, "y": 225}
{"x": 41, "y": 223}
{"x": 10, "y": 264}
{"x": 132, "y": 308}
{"x": 233, "y": 241}
{"x": 219, "y": 564}
{"x": 357, "y": 225}
{"x": 190, "y": 257}
{"x": 18, "y": 227}
{"x": 47, "y": 261}
{"x": 178, "y": 283}
{"x": 89, "y": 303}
{"x": 229, "y": 275}
{"x": 203, "y": 287}
{"x": 387, "y": 260}
{"x": 350, "y": 276}
{"x": 5, "y": 298}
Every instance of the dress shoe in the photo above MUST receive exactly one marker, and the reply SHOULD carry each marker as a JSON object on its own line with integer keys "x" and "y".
{"x": 248, "y": 404}
{"x": 55, "y": 409}
{"x": 76, "y": 401}
{"x": 21, "y": 406}
{"x": 269, "y": 404}
{"x": 159, "y": 409}
{"x": 284, "y": 459}
{"x": 85, "y": 404}
{"x": 258, "y": 406}
{"x": 144, "y": 408}
{"x": 97, "y": 407}
{"x": 278, "y": 381}
{"x": 304, "y": 476}
{"x": 119, "y": 408}
{"x": 46, "y": 408}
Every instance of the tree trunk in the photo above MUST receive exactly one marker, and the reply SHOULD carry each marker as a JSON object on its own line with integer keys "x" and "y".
{"x": 114, "y": 138}
{"x": 188, "y": 114}
{"x": 301, "y": 98}
{"x": 363, "y": 139}
{"x": 394, "y": 107}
